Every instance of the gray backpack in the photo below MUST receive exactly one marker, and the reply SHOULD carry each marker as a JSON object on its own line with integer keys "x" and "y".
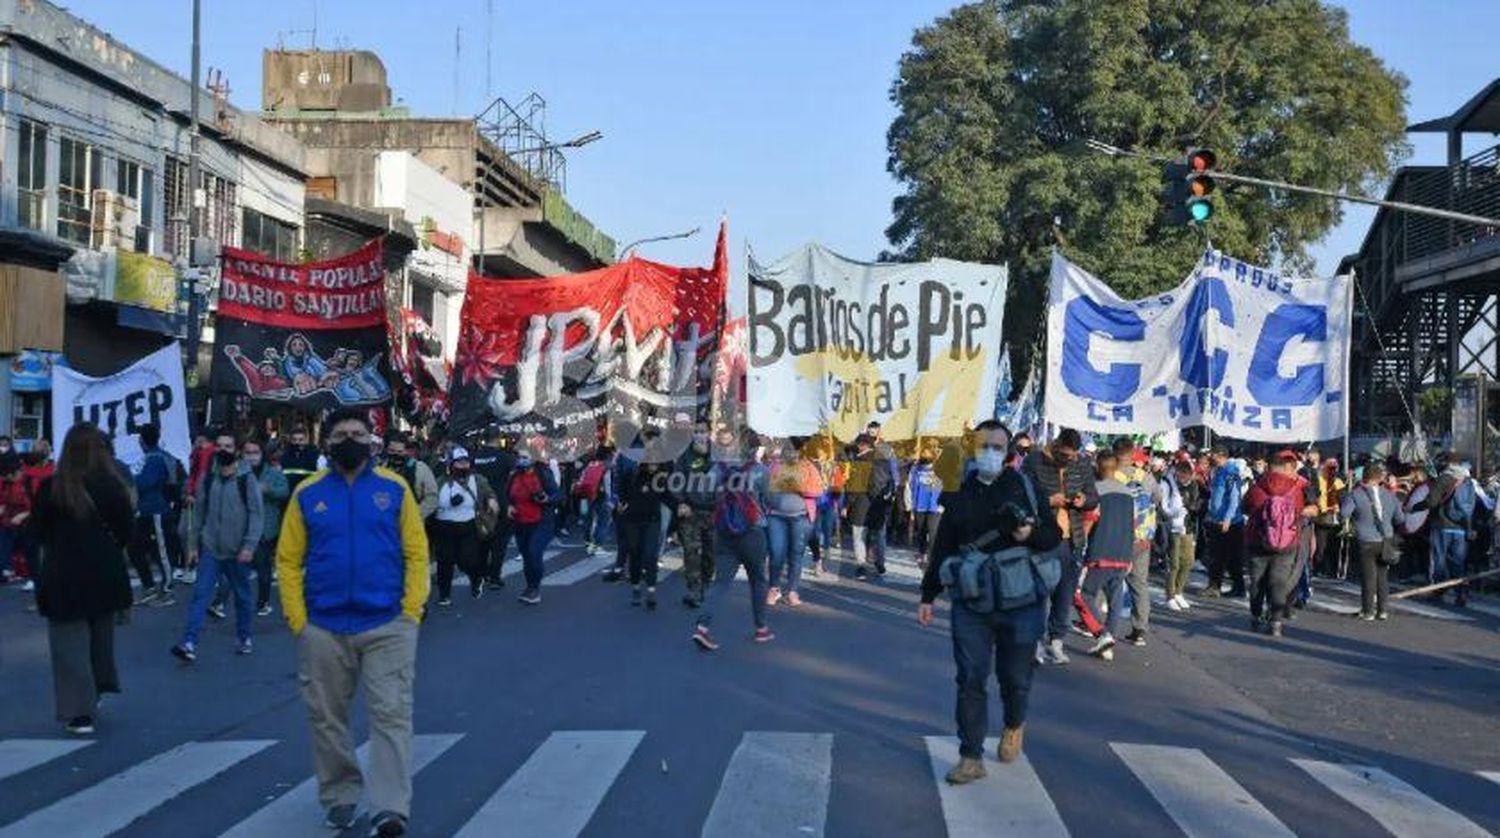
{"x": 987, "y": 582}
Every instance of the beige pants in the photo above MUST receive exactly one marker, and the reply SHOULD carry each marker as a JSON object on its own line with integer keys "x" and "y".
{"x": 329, "y": 666}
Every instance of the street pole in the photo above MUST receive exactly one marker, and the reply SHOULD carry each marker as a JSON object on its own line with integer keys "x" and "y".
{"x": 195, "y": 164}
{"x": 638, "y": 242}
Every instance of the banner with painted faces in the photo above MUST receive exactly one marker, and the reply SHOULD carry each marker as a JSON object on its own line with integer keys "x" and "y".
{"x": 836, "y": 344}
{"x": 1248, "y": 352}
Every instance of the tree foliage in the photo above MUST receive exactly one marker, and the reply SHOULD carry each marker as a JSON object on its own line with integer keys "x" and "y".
{"x": 996, "y": 100}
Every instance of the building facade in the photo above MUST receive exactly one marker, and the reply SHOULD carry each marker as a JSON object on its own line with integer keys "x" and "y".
{"x": 94, "y": 197}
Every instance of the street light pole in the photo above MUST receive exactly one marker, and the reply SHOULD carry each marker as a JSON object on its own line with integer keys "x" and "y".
{"x": 686, "y": 235}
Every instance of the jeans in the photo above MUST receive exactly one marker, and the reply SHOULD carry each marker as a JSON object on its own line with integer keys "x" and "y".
{"x": 210, "y": 568}
{"x": 1110, "y": 581}
{"x": 788, "y": 541}
{"x": 827, "y": 526}
{"x": 1450, "y": 549}
{"x": 10, "y": 539}
{"x": 926, "y": 524}
{"x": 640, "y": 543}
{"x": 596, "y": 521}
{"x": 1005, "y": 642}
{"x": 1374, "y": 578}
{"x": 1060, "y": 612}
{"x": 265, "y": 557}
{"x": 747, "y": 550}
{"x": 1272, "y": 576}
{"x": 532, "y": 541}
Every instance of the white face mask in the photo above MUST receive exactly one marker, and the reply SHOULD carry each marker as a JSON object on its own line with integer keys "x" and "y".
{"x": 990, "y": 462}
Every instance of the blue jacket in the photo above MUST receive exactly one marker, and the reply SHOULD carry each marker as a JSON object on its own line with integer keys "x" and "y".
{"x": 352, "y": 556}
{"x": 926, "y": 488}
{"x": 1224, "y": 496}
{"x": 155, "y": 472}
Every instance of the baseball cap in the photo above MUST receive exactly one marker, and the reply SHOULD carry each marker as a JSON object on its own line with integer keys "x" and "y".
{"x": 458, "y": 453}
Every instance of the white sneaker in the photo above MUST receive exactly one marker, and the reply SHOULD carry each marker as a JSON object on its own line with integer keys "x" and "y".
{"x": 1104, "y": 646}
{"x": 29, "y": 586}
{"x": 1174, "y": 605}
{"x": 1055, "y": 652}
{"x": 1182, "y": 600}
{"x": 1107, "y": 655}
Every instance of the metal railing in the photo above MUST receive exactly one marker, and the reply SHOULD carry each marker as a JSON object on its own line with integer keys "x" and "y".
{"x": 1472, "y": 186}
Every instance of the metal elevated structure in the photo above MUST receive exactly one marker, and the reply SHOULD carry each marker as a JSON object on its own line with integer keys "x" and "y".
{"x": 1426, "y": 311}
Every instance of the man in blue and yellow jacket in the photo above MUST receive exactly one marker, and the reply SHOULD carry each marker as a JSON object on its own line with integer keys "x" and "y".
{"x": 352, "y": 565}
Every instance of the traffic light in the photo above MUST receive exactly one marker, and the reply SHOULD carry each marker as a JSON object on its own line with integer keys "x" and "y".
{"x": 1190, "y": 185}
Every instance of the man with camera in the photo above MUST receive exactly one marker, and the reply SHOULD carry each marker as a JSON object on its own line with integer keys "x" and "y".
{"x": 997, "y": 508}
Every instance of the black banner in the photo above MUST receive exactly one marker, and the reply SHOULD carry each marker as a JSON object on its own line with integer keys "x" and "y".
{"x": 309, "y": 369}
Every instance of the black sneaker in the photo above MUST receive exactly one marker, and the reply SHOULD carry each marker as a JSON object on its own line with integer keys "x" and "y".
{"x": 387, "y": 825}
{"x": 1136, "y": 638}
{"x": 218, "y": 612}
{"x": 614, "y": 574}
{"x": 650, "y": 599}
{"x": 340, "y": 817}
{"x": 264, "y": 610}
{"x": 477, "y": 590}
{"x": 530, "y": 596}
{"x": 80, "y": 726}
{"x": 444, "y": 602}
{"x": 185, "y": 652}
{"x": 635, "y": 595}
{"x": 859, "y": 573}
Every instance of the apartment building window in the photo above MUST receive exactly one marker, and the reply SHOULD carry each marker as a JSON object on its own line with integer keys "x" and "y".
{"x": 136, "y": 181}
{"x": 220, "y": 217}
{"x": 422, "y": 299}
{"x": 269, "y": 236}
{"x": 31, "y": 175}
{"x": 79, "y": 173}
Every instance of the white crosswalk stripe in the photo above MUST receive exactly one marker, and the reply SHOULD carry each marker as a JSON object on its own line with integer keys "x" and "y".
{"x": 555, "y": 793}
{"x": 17, "y": 755}
{"x": 112, "y": 804}
{"x": 1204, "y": 800}
{"x": 776, "y": 784}
{"x": 1393, "y": 803}
{"x": 580, "y": 570}
{"x": 1010, "y": 801}
{"x": 297, "y": 812}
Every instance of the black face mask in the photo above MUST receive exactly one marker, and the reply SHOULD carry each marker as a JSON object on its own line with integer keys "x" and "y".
{"x": 224, "y": 458}
{"x": 349, "y": 454}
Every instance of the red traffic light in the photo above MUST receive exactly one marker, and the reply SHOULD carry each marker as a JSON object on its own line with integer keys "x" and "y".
{"x": 1201, "y": 160}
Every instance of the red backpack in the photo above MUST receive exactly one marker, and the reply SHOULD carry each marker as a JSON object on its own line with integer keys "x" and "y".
{"x": 589, "y": 482}
{"x": 1278, "y": 523}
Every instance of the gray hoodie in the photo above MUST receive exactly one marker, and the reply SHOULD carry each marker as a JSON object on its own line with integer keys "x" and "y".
{"x": 225, "y": 523}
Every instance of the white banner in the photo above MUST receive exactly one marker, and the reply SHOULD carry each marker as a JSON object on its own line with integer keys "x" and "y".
{"x": 1250, "y": 353}
{"x": 148, "y": 392}
{"x": 836, "y": 344}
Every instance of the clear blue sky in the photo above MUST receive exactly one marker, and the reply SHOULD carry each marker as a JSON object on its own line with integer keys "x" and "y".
{"x": 772, "y": 110}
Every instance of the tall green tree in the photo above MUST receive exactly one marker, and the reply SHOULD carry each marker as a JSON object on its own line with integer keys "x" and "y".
{"x": 996, "y": 100}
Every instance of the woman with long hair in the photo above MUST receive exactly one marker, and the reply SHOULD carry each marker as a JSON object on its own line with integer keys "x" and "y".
{"x": 83, "y": 518}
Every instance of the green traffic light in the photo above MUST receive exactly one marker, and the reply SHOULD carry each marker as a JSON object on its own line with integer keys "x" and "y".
{"x": 1200, "y": 210}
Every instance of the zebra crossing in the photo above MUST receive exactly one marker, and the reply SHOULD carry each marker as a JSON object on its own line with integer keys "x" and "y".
{"x": 776, "y": 783}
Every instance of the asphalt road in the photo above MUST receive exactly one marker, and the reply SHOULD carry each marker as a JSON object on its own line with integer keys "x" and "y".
{"x": 587, "y": 716}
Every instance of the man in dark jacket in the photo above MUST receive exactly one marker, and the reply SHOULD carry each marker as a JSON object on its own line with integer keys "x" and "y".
{"x": 999, "y": 500}
{"x": 156, "y": 485}
{"x": 871, "y": 488}
{"x": 1452, "y": 500}
{"x": 299, "y": 459}
{"x": 1068, "y": 484}
{"x": 494, "y": 464}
